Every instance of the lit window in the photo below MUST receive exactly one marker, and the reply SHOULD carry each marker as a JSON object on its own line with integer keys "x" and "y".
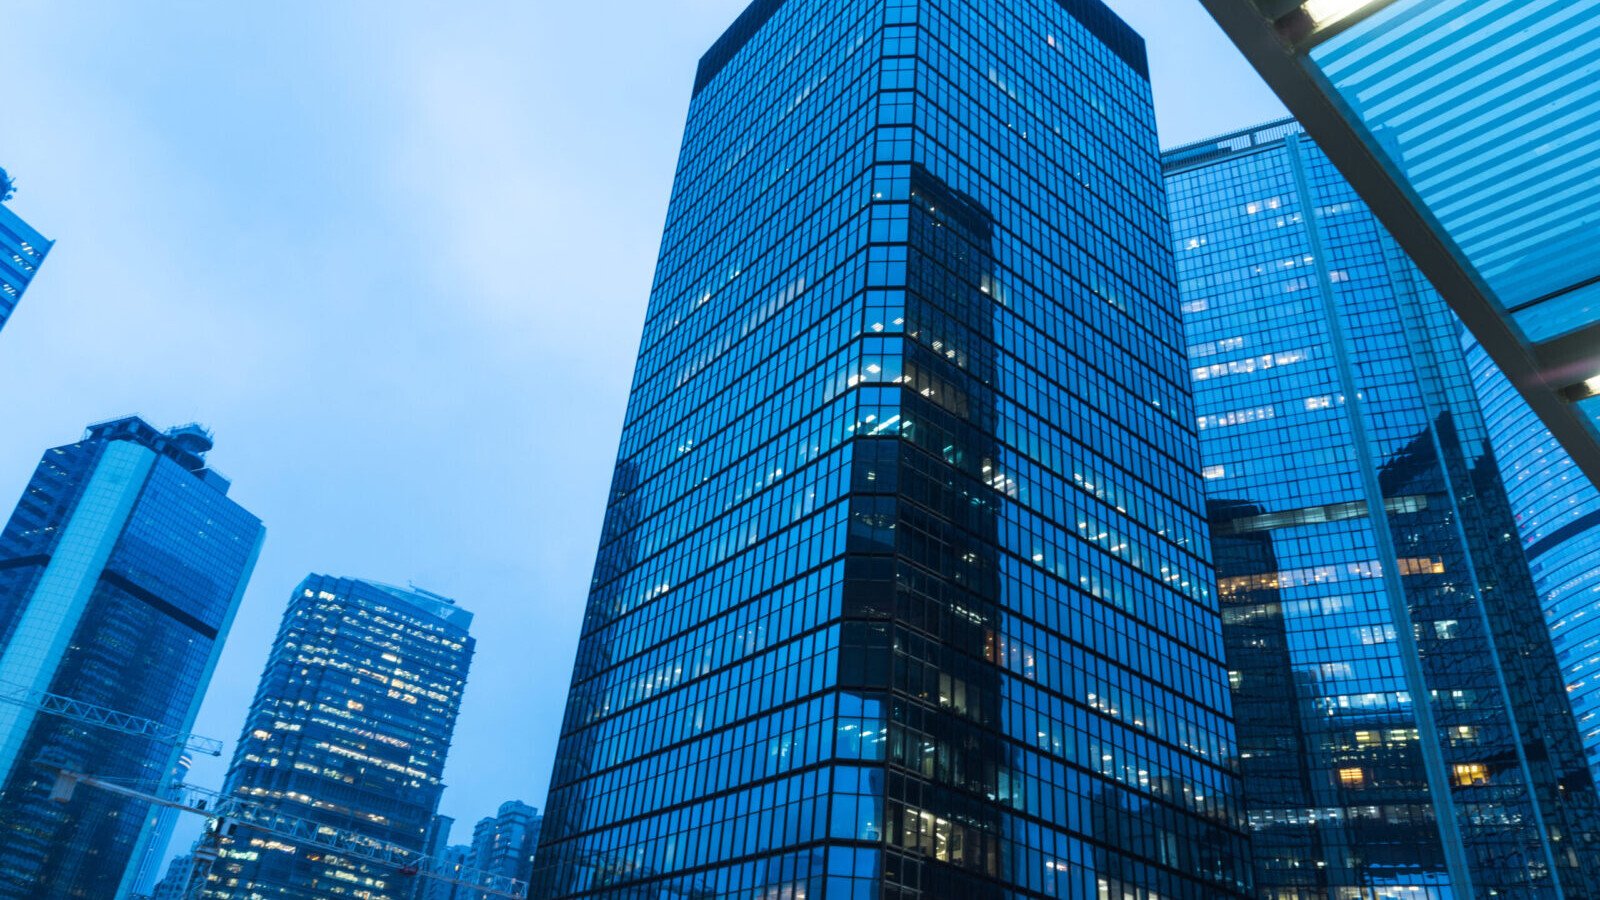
{"x": 1352, "y": 778}
{"x": 1469, "y": 774}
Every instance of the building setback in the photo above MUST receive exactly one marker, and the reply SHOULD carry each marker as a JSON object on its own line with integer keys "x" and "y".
{"x": 903, "y": 588}
{"x": 22, "y": 250}
{"x": 120, "y": 573}
{"x": 1366, "y": 556}
{"x": 349, "y": 729}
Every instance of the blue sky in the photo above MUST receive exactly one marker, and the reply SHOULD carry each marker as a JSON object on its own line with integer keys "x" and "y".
{"x": 396, "y": 255}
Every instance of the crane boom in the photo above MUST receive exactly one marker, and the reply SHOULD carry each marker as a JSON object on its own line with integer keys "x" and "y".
{"x": 227, "y": 812}
{"x": 100, "y": 716}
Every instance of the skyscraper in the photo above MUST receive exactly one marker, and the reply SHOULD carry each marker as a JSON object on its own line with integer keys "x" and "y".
{"x": 175, "y": 885}
{"x": 504, "y": 843}
{"x": 349, "y": 729}
{"x": 1558, "y": 517}
{"x": 902, "y": 589}
{"x": 457, "y": 858}
{"x": 120, "y": 573}
{"x": 22, "y": 250}
{"x": 1402, "y": 726}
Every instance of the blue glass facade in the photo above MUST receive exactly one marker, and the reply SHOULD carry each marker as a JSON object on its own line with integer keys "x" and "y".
{"x": 1402, "y": 728}
{"x": 349, "y": 729}
{"x": 903, "y": 587}
{"x": 22, "y": 250}
{"x": 120, "y": 572}
{"x": 1558, "y": 517}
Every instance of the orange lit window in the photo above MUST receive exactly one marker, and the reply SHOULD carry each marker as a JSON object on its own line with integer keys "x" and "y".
{"x": 1472, "y": 773}
{"x": 1421, "y": 566}
{"x": 1352, "y": 778}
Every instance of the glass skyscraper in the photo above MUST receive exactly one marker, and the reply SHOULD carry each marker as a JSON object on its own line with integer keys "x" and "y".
{"x": 1403, "y": 732}
{"x": 1558, "y": 517}
{"x": 349, "y": 729}
{"x": 22, "y": 250}
{"x": 903, "y": 587}
{"x": 120, "y": 573}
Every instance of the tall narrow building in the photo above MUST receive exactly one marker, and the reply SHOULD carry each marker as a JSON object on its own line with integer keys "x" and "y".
{"x": 22, "y": 250}
{"x": 903, "y": 587}
{"x": 1403, "y": 731}
{"x": 349, "y": 729}
{"x": 120, "y": 573}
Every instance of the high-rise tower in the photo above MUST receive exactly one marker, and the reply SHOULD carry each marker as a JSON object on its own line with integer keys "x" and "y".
{"x": 22, "y": 250}
{"x": 504, "y": 843}
{"x": 903, "y": 590}
{"x": 349, "y": 729}
{"x": 1403, "y": 731}
{"x": 120, "y": 573}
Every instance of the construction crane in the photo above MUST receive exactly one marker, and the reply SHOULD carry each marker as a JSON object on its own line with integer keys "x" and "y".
{"x": 101, "y": 717}
{"x": 225, "y": 815}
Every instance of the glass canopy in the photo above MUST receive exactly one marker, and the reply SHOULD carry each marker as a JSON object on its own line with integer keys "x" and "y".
{"x": 1490, "y": 111}
{"x": 1472, "y": 129}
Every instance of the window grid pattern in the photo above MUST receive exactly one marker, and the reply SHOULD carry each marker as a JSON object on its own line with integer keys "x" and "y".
{"x": 158, "y": 607}
{"x": 1337, "y": 623}
{"x": 1558, "y": 519}
{"x": 903, "y": 589}
{"x": 349, "y": 728}
{"x": 22, "y": 251}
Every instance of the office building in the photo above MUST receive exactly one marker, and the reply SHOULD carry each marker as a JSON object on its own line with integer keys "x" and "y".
{"x": 1467, "y": 127}
{"x": 458, "y": 859}
{"x": 504, "y": 843}
{"x": 349, "y": 729}
{"x": 1558, "y": 518}
{"x": 175, "y": 885}
{"x": 1402, "y": 726}
{"x": 22, "y": 250}
{"x": 120, "y": 573}
{"x": 903, "y": 587}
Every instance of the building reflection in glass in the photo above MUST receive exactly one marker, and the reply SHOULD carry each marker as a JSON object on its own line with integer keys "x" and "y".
{"x": 1402, "y": 725}
{"x": 903, "y": 589}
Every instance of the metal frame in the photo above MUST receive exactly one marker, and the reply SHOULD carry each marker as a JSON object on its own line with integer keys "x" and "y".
{"x": 226, "y": 811}
{"x": 101, "y": 717}
{"x": 1545, "y": 374}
